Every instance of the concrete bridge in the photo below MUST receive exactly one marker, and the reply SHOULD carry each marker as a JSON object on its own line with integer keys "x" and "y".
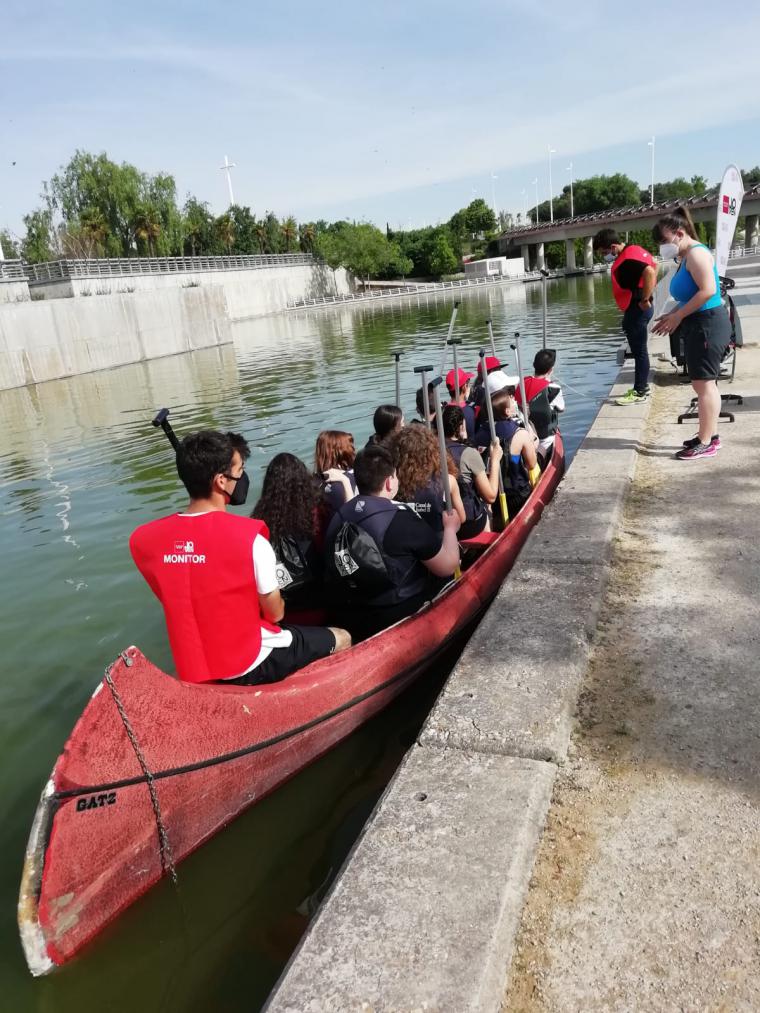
{"x": 530, "y": 239}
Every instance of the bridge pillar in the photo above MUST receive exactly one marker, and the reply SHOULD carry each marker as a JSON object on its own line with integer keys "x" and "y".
{"x": 570, "y": 255}
{"x": 588, "y": 252}
{"x": 751, "y": 231}
{"x": 525, "y": 251}
{"x": 540, "y": 261}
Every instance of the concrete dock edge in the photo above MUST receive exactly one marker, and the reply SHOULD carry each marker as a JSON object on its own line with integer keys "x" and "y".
{"x": 424, "y": 913}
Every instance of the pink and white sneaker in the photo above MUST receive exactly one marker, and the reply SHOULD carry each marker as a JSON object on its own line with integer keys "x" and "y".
{"x": 697, "y": 452}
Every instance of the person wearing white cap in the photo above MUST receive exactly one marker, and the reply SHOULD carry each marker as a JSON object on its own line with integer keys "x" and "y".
{"x": 499, "y": 380}
{"x": 520, "y": 468}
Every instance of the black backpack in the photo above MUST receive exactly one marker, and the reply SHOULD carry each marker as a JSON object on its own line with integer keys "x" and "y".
{"x": 356, "y": 563}
{"x": 293, "y": 570}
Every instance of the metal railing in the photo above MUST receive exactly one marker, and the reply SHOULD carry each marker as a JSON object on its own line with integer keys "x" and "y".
{"x": 12, "y": 270}
{"x": 598, "y": 218}
{"x": 119, "y": 267}
{"x": 421, "y": 289}
{"x": 737, "y": 252}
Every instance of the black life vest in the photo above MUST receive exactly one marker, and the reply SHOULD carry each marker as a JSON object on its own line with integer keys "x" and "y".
{"x": 474, "y": 507}
{"x": 514, "y": 476}
{"x": 539, "y": 393}
{"x": 429, "y": 503}
{"x": 356, "y": 563}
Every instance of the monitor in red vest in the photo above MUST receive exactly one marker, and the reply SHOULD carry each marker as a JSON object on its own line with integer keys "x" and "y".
{"x": 627, "y": 273}
{"x": 200, "y": 567}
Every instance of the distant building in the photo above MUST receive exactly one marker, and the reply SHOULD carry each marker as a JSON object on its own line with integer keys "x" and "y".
{"x": 492, "y": 267}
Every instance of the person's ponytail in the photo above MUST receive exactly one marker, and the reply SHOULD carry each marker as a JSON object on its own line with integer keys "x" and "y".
{"x": 678, "y": 218}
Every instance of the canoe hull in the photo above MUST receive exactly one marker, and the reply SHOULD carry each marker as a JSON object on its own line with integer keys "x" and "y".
{"x": 209, "y": 752}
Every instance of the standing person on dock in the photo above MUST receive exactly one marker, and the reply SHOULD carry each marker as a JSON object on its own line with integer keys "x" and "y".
{"x": 215, "y": 574}
{"x": 702, "y": 321}
{"x": 634, "y": 279}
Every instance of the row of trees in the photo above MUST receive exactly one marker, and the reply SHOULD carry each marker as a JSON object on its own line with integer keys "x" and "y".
{"x": 95, "y": 207}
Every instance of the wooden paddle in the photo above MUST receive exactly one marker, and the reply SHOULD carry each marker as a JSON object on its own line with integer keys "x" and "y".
{"x": 492, "y": 426}
{"x": 423, "y": 371}
{"x": 162, "y": 420}
{"x": 442, "y": 450}
{"x": 448, "y": 337}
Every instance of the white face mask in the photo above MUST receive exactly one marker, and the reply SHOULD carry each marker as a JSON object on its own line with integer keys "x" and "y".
{"x": 610, "y": 258}
{"x": 668, "y": 251}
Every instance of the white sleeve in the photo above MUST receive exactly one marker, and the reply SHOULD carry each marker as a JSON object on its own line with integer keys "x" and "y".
{"x": 558, "y": 401}
{"x": 264, "y": 566}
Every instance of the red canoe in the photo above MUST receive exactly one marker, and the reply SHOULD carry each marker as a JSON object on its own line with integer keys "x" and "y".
{"x": 155, "y": 767}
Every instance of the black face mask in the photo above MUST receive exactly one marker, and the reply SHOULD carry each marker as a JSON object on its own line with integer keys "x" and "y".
{"x": 239, "y": 494}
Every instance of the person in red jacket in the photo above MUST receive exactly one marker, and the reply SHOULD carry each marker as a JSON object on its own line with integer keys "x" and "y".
{"x": 214, "y": 573}
{"x": 634, "y": 279}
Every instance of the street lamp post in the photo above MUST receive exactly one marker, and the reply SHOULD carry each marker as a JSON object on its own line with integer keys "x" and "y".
{"x": 651, "y": 188}
{"x": 535, "y": 184}
{"x": 228, "y": 165}
{"x": 552, "y": 151}
{"x": 570, "y": 170}
{"x": 494, "y": 177}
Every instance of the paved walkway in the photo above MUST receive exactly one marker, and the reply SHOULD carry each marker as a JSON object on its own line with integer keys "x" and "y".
{"x": 646, "y": 888}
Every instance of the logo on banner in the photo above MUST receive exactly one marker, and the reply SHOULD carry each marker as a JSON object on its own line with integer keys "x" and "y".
{"x": 729, "y": 205}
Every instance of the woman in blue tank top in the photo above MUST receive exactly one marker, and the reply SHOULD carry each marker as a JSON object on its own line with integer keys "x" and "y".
{"x": 701, "y": 320}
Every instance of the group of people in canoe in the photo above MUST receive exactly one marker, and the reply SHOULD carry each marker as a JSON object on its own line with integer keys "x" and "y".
{"x": 366, "y": 536}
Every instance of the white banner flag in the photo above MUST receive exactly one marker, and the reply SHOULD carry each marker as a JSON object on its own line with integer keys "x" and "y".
{"x": 729, "y": 203}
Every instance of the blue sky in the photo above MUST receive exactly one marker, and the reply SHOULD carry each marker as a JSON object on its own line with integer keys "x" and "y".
{"x": 392, "y": 111}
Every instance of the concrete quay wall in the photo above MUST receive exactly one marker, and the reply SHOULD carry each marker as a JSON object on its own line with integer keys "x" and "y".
{"x": 250, "y": 293}
{"x": 65, "y": 337}
{"x": 424, "y": 913}
{"x": 14, "y": 290}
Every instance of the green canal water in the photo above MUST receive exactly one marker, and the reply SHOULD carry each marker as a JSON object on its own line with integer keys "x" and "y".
{"x": 80, "y": 467}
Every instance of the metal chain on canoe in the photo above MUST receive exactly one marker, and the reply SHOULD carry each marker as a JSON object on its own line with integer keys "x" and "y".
{"x": 165, "y": 851}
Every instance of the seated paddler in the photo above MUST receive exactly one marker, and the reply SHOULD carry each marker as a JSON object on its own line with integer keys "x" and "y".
{"x": 382, "y": 561}
{"x": 215, "y": 574}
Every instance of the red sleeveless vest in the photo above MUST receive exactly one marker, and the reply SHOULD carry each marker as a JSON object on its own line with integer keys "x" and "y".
{"x": 200, "y": 567}
{"x": 533, "y": 385}
{"x": 622, "y": 295}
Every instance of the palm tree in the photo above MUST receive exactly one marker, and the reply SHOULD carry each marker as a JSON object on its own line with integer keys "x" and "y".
{"x": 94, "y": 228}
{"x": 289, "y": 231}
{"x": 260, "y": 231}
{"x": 226, "y": 229}
{"x": 147, "y": 227}
{"x": 308, "y": 235}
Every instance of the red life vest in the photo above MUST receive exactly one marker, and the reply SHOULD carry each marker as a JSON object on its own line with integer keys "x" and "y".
{"x": 533, "y": 385}
{"x": 622, "y": 295}
{"x": 200, "y": 567}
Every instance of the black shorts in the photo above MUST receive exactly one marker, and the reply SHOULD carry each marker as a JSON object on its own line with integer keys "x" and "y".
{"x": 309, "y": 643}
{"x": 706, "y": 337}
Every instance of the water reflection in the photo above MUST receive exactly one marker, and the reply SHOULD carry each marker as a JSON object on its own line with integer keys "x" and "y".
{"x": 80, "y": 467}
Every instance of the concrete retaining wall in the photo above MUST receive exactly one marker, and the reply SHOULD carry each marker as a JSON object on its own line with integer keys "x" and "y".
{"x": 13, "y": 291}
{"x": 250, "y": 293}
{"x": 64, "y": 337}
{"x": 424, "y": 914}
